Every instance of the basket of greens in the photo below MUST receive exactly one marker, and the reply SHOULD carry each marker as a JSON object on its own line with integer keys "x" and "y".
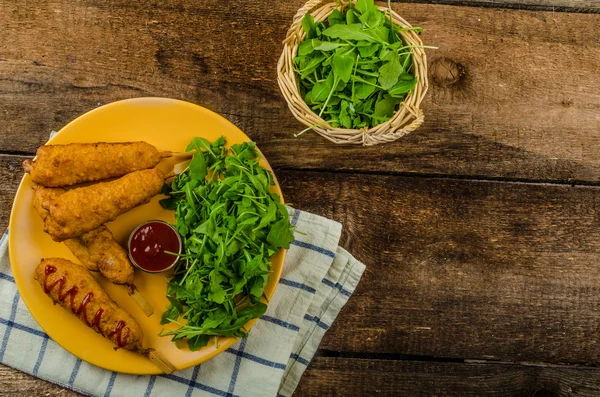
{"x": 354, "y": 72}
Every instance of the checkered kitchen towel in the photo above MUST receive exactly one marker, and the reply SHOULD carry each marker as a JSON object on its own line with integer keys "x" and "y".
{"x": 318, "y": 278}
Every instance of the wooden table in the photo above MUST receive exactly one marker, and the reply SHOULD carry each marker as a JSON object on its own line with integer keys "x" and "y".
{"x": 480, "y": 230}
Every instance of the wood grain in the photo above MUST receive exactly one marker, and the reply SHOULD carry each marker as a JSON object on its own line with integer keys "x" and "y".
{"x": 354, "y": 377}
{"x": 456, "y": 268}
{"x": 13, "y": 382}
{"x": 10, "y": 176}
{"x": 583, "y": 6}
{"x": 328, "y": 376}
{"x": 464, "y": 269}
{"x": 524, "y": 105}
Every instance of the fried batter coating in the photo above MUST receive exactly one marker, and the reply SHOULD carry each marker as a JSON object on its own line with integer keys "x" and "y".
{"x": 75, "y": 289}
{"x": 97, "y": 250}
{"x": 110, "y": 258}
{"x": 81, "y": 252}
{"x": 84, "y": 209}
{"x": 66, "y": 165}
{"x": 42, "y": 197}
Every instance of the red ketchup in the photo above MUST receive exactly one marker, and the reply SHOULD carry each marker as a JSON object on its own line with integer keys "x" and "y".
{"x": 148, "y": 243}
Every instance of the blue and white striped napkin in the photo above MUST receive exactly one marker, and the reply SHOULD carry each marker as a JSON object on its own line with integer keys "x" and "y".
{"x": 318, "y": 278}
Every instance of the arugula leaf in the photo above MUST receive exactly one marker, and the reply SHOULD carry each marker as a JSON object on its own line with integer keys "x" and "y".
{"x": 308, "y": 24}
{"x": 363, "y": 90}
{"x": 171, "y": 313}
{"x": 390, "y": 71}
{"x": 198, "y": 144}
{"x": 351, "y": 17}
{"x": 321, "y": 90}
{"x": 350, "y": 32}
{"x": 335, "y": 17}
{"x": 381, "y": 33}
{"x": 403, "y": 86}
{"x": 327, "y": 46}
{"x": 369, "y": 50}
{"x": 342, "y": 65}
{"x": 385, "y": 107}
{"x": 372, "y": 18}
{"x": 312, "y": 65}
{"x": 198, "y": 168}
{"x": 280, "y": 234}
{"x": 169, "y": 203}
{"x": 365, "y": 5}
{"x": 305, "y": 48}
{"x": 198, "y": 341}
{"x": 345, "y": 118}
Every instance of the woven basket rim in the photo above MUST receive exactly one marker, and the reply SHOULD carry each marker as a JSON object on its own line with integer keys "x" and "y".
{"x": 406, "y": 119}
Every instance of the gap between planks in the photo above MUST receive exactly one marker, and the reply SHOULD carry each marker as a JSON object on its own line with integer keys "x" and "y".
{"x": 466, "y": 178}
{"x": 16, "y": 153}
{"x": 421, "y": 358}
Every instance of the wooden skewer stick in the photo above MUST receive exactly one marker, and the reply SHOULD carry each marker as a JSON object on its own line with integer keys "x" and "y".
{"x": 183, "y": 154}
{"x": 160, "y": 361}
{"x": 178, "y": 169}
{"x": 140, "y": 300}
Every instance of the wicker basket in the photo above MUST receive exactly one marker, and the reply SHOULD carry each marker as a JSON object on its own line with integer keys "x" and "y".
{"x": 406, "y": 119}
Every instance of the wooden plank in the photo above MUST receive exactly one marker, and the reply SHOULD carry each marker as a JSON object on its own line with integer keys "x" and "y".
{"x": 455, "y": 268}
{"x": 13, "y": 382}
{"x": 328, "y": 376}
{"x": 523, "y": 107}
{"x": 584, "y": 6}
{"x": 464, "y": 269}
{"x": 10, "y": 176}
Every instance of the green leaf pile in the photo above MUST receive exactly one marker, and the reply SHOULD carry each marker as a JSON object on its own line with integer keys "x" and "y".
{"x": 231, "y": 225}
{"x": 354, "y": 70}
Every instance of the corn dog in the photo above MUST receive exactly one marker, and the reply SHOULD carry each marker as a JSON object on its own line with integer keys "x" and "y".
{"x": 66, "y": 165}
{"x": 74, "y": 288}
{"x": 84, "y": 209}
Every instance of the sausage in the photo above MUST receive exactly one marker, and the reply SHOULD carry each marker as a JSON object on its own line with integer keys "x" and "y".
{"x": 74, "y": 288}
{"x": 81, "y": 210}
{"x": 66, "y": 165}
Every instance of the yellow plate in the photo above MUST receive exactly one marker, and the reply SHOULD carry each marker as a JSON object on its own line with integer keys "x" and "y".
{"x": 169, "y": 125}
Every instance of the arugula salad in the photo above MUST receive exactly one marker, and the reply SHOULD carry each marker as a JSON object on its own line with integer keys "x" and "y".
{"x": 231, "y": 225}
{"x": 353, "y": 69}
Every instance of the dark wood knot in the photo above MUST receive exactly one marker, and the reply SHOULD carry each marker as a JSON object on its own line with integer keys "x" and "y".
{"x": 445, "y": 72}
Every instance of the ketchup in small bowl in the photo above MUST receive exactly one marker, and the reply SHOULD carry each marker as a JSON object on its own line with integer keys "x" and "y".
{"x": 149, "y": 244}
